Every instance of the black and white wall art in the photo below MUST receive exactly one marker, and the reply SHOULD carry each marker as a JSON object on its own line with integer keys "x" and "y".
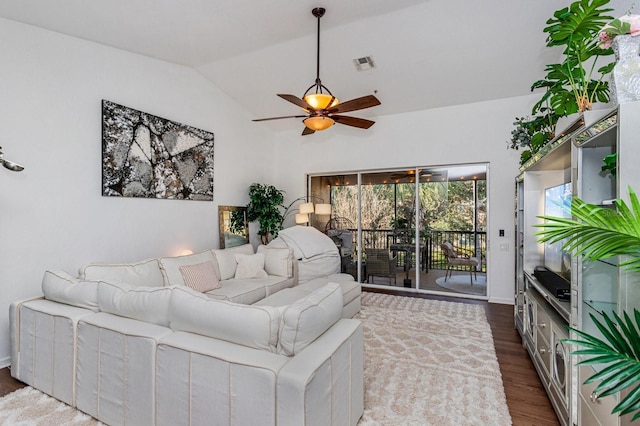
{"x": 152, "y": 157}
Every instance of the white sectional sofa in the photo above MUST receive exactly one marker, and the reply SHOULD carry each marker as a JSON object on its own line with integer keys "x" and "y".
{"x": 137, "y": 344}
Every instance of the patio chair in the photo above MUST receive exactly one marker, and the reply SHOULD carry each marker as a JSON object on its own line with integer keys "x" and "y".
{"x": 459, "y": 257}
{"x": 380, "y": 263}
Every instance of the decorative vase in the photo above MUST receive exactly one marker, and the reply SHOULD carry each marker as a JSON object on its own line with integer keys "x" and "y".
{"x": 625, "y": 80}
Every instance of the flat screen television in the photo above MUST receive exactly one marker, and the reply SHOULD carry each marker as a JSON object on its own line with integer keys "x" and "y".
{"x": 557, "y": 202}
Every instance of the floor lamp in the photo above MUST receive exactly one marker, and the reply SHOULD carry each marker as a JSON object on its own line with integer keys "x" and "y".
{"x": 306, "y": 209}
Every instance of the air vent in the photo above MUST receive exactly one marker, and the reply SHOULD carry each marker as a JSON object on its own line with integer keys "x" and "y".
{"x": 364, "y": 63}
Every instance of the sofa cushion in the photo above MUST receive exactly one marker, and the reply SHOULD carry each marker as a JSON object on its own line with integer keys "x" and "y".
{"x": 170, "y": 266}
{"x": 277, "y": 261}
{"x": 306, "y": 319}
{"x": 145, "y": 273}
{"x": 227, "y": 261}
{"x": 350, "y": 288}
{"x": 201, "y": 277}
{"x": 149, "y": 304}
{"x": 58, "y": 286}
{"x": 250, "y": 266}
{"x": 252, "y": 326}
{"x": 243, "y": 291}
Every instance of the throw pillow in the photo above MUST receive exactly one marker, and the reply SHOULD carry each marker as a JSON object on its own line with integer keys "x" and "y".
{"x": 250, "y": 266}
{"x": 200, "y": 277}
{"x": 227, "y": 262}
{"x": 277, "y": 261}
{"x": 305, "y": 320}
{"x": 170, "y": 266}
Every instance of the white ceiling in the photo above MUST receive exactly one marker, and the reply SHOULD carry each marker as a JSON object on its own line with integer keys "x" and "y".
{"x": 428, "y": 53}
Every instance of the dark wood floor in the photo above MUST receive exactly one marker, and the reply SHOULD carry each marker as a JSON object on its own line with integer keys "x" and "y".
{"x": 526, "y": 398}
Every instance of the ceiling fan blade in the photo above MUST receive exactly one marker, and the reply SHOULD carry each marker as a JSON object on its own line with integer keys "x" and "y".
{"x": 307, "y": 131}
{"x": 11, "y": 165}
{"x": 353, "y": 121}
{"x": 280, "y": 118}
{"x": 355, "y": 104}
{"x": 297, "y": 101}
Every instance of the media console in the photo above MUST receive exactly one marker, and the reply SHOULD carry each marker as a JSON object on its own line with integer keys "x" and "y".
{"x": 546, "y": 325}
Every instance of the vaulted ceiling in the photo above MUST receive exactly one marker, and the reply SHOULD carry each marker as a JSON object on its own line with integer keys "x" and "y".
{"x": 427, "y": 53}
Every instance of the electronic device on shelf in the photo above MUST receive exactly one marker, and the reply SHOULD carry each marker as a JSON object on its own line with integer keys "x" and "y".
{"x": 556, "y": 284}
{"x": 557, "y": 202}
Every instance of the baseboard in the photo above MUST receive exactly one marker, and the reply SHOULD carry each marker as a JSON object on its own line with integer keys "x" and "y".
{"x": 501, "y": 300}
{"x": 5, "y": 362}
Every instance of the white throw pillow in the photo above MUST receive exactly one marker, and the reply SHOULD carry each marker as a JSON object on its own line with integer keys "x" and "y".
{"x": 305, "y": 320}
{"x": 277, "y": 261}
{"x": 145, "y": 273}
{"x": 170, "y": 266}
{"x": 227, "y": 261}
{"x": 252, "y": 326}
{"x": 148, "y": 304}
{"x": 250, "y": 266}
{"x": 200, "y": 277}
{"x": 61, "y": 287}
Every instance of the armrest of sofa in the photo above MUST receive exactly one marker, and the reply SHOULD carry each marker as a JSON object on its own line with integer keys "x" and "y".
{"x": 324, "y": 384}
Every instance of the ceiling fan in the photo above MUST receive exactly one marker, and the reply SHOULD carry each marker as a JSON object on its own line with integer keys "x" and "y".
{"x": 411, "y": 174}
{"x": 323, "y": 109}
{"x": 10, "y": 164}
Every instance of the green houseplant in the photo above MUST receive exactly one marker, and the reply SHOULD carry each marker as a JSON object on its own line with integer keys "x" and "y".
{"x": 531, "y": 134}
{"x": 601, "y": 233}
{"x": 571, "y": 85}
{"x": 264, "y": 206}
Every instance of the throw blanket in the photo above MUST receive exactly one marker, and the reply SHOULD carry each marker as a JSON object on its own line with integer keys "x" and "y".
{"x": 317, "y": 254}
{"x": 307, "y": 242}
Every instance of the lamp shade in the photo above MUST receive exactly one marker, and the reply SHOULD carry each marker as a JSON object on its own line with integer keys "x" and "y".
{"x": 323, "y": 209}
{"x": 302, "y": 218}
{"x": 318, "y": 122}
{"x": 320, "y": 101}
{"x": 306, "y": 208}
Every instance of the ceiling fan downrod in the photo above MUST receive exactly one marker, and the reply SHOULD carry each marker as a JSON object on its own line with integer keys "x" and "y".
{"x": 318, "y": 12}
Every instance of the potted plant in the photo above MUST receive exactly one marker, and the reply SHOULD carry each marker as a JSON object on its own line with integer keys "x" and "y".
{"x": 601, "y": 233}
{"x": 264, "y": 206}
{"x": 533, "y": 134}
{"x": 571, "y": 85}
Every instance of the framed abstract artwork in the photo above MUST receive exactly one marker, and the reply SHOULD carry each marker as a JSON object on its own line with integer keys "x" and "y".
{"x": 152, "y": 157}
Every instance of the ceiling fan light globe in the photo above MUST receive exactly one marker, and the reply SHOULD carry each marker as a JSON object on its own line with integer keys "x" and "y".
{"x": 318, "y": 123}
{"x": 320, "y": 101}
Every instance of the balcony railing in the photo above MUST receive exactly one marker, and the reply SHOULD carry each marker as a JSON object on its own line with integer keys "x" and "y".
{"x": 432, "y": 256}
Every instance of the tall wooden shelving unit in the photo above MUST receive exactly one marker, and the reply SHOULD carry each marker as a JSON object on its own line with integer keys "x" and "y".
{"x": 541, "y": 318}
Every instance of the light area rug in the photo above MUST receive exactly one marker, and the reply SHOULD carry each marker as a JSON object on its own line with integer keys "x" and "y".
{"x": 429, "y": 362}
{"x": 30, "y": 407}
{"x": 462, "y": 284}
{"x": 426, "y": 362}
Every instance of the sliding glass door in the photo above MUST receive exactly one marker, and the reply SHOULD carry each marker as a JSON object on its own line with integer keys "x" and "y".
{"x": 393, "y": 226}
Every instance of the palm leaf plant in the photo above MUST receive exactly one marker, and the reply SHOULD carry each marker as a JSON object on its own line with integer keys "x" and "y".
{"x": 600, "y": 233}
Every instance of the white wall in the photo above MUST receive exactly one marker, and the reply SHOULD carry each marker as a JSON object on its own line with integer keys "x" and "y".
{"x": 469, "y": 133}
{"x": 52, "y": 214}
